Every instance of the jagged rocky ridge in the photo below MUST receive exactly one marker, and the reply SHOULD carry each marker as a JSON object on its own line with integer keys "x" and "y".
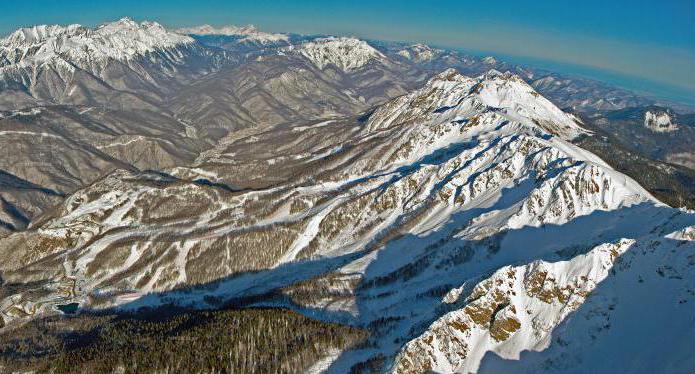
{"x": 121, "y": 40}
{"x": 387, "y": 223}
{"x": 78, "y": 65}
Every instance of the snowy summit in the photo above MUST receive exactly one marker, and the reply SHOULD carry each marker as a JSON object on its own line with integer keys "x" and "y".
{"x": 344, "y": 53}
{"x": 247, "y": 33}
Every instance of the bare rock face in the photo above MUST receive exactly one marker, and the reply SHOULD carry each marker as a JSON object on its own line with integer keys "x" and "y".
{"x": 515, "y": 309}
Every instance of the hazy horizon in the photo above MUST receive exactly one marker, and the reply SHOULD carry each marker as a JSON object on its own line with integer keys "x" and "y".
{"x": 637, "y": 45}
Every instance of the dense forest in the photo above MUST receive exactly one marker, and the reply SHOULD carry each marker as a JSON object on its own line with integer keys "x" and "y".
{"x": 222, "y": 341}
{"x": 672, "y": 184}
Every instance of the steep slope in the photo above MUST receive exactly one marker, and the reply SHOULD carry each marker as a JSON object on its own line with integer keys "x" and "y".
{"x": 62, "y": 148}
{"x": 384, "y": 221}
{"x": 519, "y": 308}
{"x": 640, "y": 317}
{"x": 261, "y": 94}
{"x": 511, "y": 311}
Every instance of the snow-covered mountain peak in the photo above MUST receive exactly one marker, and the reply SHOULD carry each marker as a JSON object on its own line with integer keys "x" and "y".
{"x": 123, "y": 23}
{"x": 248, "y": 33}
{"x": 147, "y": 34}
{"x": 120, "y": 40}
{"x": 510, "y": 92}
{"x": 418, "y": 52}
{"x": 448, "y": 75}
{"x": 452, "y": 96}
{"x": 344, "y": 53}
{"x": 490, "y": 60}
{"x": 494, "y": 73}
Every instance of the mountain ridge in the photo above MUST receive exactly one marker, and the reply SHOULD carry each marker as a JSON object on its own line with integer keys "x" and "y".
{"x": 120, "y": 40}
{"x": 434, "y": 191}
{"x": 456, "y": 222}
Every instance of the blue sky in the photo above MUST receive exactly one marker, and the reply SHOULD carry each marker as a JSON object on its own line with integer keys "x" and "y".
{"x": 635, "y": 43}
